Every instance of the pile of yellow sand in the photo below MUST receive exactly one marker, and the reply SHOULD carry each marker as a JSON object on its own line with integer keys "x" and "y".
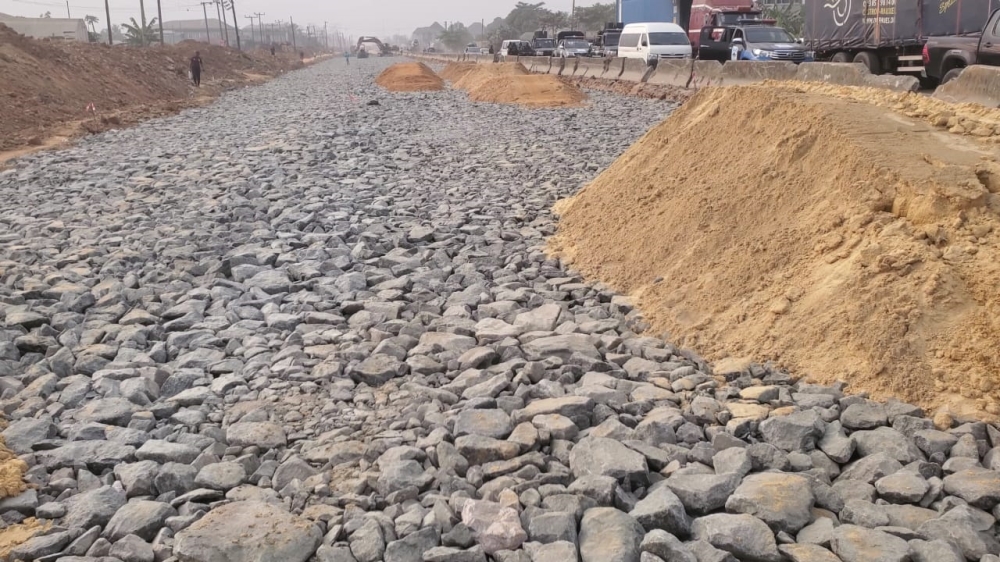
{"x": 840, "y": 238}
{"x": 12, "y": 470}
{"x": 468, "y": 78}
{"x": 533, "y": 90}
{"x": 409, "y": 77}
{"x": 455, "y": 70}
{"x": 511, "y": 83}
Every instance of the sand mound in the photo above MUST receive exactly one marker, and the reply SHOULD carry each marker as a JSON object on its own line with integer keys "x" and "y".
{"x": 534, "y": 90}
{"x": 841, "y": 239}
{"x": 409, "y": 77}
{"x": 455, "y": 70}
{"x": 480, "y": 73}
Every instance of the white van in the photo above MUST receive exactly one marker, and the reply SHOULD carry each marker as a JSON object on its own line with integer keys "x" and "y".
{"x": 654, "y": 40}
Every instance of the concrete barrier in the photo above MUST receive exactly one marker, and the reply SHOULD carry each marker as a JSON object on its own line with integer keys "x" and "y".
{"x": 747, "y": 72}
{"x": 853, "y": 74}
{"x": 590, "y": 67}
{"x": 976, "y": 84}
{"x": 569, "y": 66}
{"x": 614, "y": 69}
{"x": 843, "y": 73}
{"x": 634, "y": 70}
{"x": 557, "y": 66}
{"x": 538, "y": 65}
{"x": 706, "y": 73}
{"x": 671, "y": 73}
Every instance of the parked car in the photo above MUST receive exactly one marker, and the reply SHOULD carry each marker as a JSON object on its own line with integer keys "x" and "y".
{"x": 653, "y": 40}
{"x": 750, "y": 41}
{"x": 516, "y": 48}
{"x": 543, "y": 46}
{"x": 573, "y": 47}
{"x": 946, "y": 57}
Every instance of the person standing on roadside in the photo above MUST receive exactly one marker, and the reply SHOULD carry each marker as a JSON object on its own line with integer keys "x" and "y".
{"x": 196, "y": 67}
{"x": 347, "y": 56}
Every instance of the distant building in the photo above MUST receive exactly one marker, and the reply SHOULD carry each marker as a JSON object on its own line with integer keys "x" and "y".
{"x": 46, "y": 28}
{"x": 194, "y": 30}
{"x": 427, "y": 36}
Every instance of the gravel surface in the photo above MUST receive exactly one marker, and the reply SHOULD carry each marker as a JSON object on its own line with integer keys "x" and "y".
{"x": 295, "y": 326}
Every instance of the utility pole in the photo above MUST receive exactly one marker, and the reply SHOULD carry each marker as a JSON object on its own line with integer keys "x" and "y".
{"x": 260, "y": 25}
{"x": 225, "y": 24}
{"x": 236, "y": 26}
{"x": 204, "y": 11}
{"x": 291, "y": 25}
{"x": 218, "y": 19}
{"x": 142, "y": 15}
{"x": 159, "y": 20}
{"x": 107, "y": 12}
{"x": 67, "y": 10}
{"x": 253, "y": 38}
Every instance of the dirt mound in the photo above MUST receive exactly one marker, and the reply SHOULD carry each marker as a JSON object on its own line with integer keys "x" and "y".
{"x": 65, "y": 88}
{"x": 480, "y": 73}
{"x": 533, "y": 90}
{"x": 409, "y": 77}
{"x": 838, "y": 238}
{"x": 455, "y": 70}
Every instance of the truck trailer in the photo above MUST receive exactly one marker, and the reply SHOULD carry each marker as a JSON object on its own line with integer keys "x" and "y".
{"x": 643, "y": 11}
{"x": 887, "y": 36}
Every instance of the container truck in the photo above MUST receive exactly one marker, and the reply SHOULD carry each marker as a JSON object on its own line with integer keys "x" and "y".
{"x": 887, "y": 36}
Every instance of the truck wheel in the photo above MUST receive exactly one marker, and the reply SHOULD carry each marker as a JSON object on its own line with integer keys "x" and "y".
{"x": 870, "y": 60}
{"x": 951, "y": 75}
{"x": 841, "y": 56}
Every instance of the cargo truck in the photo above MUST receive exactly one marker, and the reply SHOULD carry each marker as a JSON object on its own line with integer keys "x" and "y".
{"x": 887, "y": 36}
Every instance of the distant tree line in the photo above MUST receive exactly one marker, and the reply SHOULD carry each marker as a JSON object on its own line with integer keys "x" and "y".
{"x": 526, "y": 18}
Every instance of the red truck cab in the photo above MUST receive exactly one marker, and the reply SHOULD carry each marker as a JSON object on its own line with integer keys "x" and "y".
{"x": 719, "y": 13}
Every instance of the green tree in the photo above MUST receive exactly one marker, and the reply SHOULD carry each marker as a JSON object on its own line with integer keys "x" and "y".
{"x": 46, "y": 15}
{"x": 593, "y": 18}
{"x": 787, "y": 16}
{"x": 456, "y": 37}
{"x": 525, "y": 17}
{"x": 91, "y": 21}
{"x": 134, "y": 32}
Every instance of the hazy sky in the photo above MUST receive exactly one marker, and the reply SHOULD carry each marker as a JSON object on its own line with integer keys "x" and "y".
{"x": 358, "y": 17}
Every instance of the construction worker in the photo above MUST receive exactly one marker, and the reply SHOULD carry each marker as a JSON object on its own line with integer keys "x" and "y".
{"x": 196, "y": 67}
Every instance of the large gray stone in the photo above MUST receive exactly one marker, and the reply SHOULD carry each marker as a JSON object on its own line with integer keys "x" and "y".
{"x": 978, "y": 486}
{"x": 608, "y": 535}
{"x": 798, "y": 431}
{"x": 248, "y": 532}
{"x": 857, "y": 544}
{"x": 266, "y": 435}
{"x": 562, "y": 346}
{"x": 783, "y": 501}
{"x": 597, "y": 456}
{"x": 662, "y": 509}
{"x": 140, "y": 518}
{"x": 496, "y": 527}
{"x": 703, "y": 493}
{"x": 95, "y": 507}
{"x": 493, "y": 423}
{"x": 746, "y": 537}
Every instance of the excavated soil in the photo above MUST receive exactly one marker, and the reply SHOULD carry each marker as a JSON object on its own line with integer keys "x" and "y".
{"x": 64, "y": 89}
{"x": 533, "y": 90}
{"x": 843, "y": 239}
{"x": 13, "y": 536}
{"x": 455, "y": 70}
{"x": 511, "y": 83}
{"x": 409, "y": 77}
{"x": 475, "y": 75}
